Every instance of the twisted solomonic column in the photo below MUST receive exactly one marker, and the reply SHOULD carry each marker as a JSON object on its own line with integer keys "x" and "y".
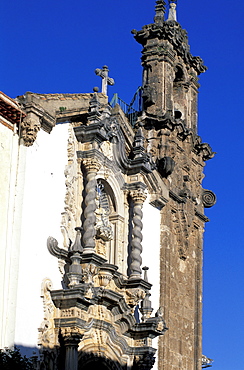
{"x": 138, "y": 197}
{"x": 91, "y": 167}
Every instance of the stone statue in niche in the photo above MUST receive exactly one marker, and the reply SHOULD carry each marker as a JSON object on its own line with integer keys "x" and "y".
{"x": 104, "y": 231}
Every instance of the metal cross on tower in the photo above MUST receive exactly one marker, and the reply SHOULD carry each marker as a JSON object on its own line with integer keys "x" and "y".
{"x": 105, "y": 79}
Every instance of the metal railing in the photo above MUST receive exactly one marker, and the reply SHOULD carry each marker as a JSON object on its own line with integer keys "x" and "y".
{"x": 132, "y": 110}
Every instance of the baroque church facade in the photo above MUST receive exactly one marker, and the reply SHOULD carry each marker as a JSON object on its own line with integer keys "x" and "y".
{"x": 120, "y": 275}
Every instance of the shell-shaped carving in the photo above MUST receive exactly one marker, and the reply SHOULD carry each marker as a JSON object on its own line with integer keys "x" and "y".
{"x": 208, "y": 198}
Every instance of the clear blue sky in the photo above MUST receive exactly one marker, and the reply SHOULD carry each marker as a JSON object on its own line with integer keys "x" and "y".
{"x": 54, "y": 46}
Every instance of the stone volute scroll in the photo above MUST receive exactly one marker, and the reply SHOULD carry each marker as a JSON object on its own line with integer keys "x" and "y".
{"x": 138, "y": 196}
{"x": 91, "y": 167}
{"x": 208, "y": 198}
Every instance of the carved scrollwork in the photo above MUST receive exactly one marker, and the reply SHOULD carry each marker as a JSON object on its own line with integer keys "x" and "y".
{"x": 53, "y": 248}
{"x": 48, "y": 337}
{"x": 133, "y": 296}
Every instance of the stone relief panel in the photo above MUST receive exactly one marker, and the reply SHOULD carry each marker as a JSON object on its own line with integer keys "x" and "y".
{"x": 70, "y": 217}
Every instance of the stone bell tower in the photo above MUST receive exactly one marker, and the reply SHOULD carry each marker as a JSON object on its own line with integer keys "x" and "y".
{"x": 169, "y": 120}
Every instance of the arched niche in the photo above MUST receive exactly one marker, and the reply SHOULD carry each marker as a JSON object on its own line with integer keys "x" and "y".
{"x": 110, "y": 212}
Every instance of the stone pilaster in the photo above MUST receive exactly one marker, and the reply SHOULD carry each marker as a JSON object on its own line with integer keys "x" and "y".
{"x": 138, "y": 197}
{"x": 91, "y": 167}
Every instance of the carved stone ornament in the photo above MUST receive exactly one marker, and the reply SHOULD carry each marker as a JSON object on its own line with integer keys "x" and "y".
{"x": 138, "y": 196}
{"x": 206, "y": 362}
{"x": 91, "y": 165}
{"x": 180, "y": 224}
{"x": 145, "y": 361}
{"x": 133, "y": 296}
{"x": 48, "y": 338}
{"x": 208, "y": 198}
{"x": 72, "y": 174}
{"x": 29, "y": 129}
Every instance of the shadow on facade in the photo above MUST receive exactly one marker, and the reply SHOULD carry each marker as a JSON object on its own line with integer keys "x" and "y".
{"x": 54, "y": 359}
{"x": 89, "y": 361}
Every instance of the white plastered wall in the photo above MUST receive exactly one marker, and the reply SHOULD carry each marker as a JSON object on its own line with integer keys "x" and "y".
{"x": 151, "y": 253}
{"x": 43, "y": 203}
{"x": 10, "y": 225}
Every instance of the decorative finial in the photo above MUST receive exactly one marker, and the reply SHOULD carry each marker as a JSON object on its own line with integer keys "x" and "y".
{"x": 172, "y": 10}
{"x": 77, "y": 247}
{"x": 145, "y": 269}
{"x": 160, "y": 11}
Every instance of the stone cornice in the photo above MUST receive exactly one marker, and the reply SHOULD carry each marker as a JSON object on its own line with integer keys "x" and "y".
{"x": 176, "y": 197}
{"x": 93, "y": 132}
{"x": 47, "y": 120}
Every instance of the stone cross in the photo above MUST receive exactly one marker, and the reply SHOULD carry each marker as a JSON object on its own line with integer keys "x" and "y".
{"x": 105, "y": 79}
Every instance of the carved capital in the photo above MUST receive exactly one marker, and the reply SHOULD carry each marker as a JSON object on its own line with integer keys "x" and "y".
{"x": 72, "y": 335}
{"x": 138, "y": 196}
{"x": 145, "y": 361}
{"x": 91, "y": 165}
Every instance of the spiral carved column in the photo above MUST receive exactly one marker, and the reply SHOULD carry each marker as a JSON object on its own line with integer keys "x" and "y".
{"x": 138, "y": 197}
{"x": 91, "y": 167}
